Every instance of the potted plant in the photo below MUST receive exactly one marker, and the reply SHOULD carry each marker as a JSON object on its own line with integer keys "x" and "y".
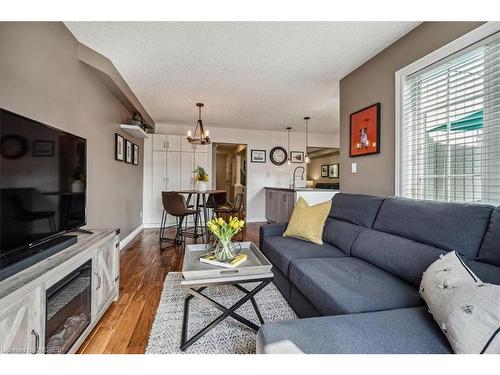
{"x": 224, "y": 231}
{"x": 201, "y": 177}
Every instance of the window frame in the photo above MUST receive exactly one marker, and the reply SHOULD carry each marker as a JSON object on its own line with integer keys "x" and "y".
{"x": 463, "y": 42}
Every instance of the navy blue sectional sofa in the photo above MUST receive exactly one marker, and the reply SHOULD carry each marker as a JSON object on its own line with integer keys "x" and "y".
{"x": 358, "y": 292}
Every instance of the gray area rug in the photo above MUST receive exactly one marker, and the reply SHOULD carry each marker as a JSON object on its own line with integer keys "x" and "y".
{"x": 230, "y": 336}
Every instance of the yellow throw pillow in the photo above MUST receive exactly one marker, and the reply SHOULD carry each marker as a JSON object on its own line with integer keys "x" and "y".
{"x": 307, "y": 222}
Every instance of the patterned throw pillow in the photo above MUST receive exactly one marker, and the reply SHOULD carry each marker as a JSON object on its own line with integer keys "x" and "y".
{"x": 466, "y": 309}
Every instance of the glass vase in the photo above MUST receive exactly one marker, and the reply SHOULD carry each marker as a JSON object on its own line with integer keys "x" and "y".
{"x": 224, "y": 251}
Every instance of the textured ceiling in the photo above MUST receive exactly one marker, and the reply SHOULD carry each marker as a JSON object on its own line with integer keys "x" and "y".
{"x": 250, "y": 75}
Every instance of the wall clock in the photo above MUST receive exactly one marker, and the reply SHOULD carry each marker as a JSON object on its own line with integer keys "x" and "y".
{"x": 278, "y": 155}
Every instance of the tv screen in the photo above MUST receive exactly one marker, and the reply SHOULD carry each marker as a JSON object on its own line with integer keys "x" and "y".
{"x": 42, "y": 185}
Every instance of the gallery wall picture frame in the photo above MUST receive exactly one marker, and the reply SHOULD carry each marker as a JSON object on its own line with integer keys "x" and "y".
{"x": 135, "y": 154}
{"x": 364, "y": 138}
{"x": 128, "y": 152}
{"x": 333, "y": 170}
{"x": 258, "y": 156}
{"x": 297, "y": 156}
{"x": 119, "y": 147}
{"x": 324, "y": 170}
{"x": 43, "y": 148}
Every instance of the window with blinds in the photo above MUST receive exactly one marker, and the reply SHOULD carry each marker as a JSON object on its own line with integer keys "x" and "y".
{"x": 450, "y": 133}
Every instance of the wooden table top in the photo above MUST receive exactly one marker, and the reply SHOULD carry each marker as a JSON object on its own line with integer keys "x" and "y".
{"x": 200, "y": 192}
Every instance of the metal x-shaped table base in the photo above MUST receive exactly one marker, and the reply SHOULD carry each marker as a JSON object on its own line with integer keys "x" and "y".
{"x": 249, "y": 295}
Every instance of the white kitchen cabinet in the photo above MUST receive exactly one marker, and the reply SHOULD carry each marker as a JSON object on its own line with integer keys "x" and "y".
{"x": 159, "y": 142}
{"x": 106, "y": 276}
{"x": 21, "y": 325}
{"x": 201, "y": 160}
{"x": 173, "y": 171}
{"x": 169, "y": 168}
{"x": 174, "y": 142}
{"x": 201, "y": 148}
{"x": 159, "y": 181}
{"x": 187, "y": 168}
{"x": 187, "y": 147}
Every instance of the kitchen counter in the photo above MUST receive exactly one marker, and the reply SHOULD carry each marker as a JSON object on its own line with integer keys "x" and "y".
{"x": 281, "y": 201}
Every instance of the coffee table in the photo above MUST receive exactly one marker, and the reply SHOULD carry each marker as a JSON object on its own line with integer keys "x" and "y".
{"x": 198, "y": 276}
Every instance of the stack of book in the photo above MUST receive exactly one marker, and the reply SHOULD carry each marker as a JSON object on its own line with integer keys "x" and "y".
{"x": 210, "y": 258}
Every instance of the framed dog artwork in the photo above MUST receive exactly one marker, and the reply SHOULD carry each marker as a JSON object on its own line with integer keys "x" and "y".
{"x": 365, "y": 131}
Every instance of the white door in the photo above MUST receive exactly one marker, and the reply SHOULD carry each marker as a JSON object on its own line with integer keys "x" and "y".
{"x": 159, "y": 182}
{"x": 105, "y": 276}
{"x": 173, "y": 171}
{"x": 21, "y": 325}
{"x": 159, "y": 142}
{"x": 174, "y": 142}
{"x": 187, "y": 168}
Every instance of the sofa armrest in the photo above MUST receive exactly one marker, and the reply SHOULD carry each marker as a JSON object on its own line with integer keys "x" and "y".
{"x": 271, "y": 230}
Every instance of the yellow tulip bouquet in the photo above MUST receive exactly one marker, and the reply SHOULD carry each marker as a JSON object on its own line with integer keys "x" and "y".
{"x": 224, "y": 233}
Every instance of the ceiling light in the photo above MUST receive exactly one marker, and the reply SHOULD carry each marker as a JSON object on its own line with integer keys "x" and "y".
{"x": 307, "y": 158}
{"x": 199, "y": 136}
{"x": 289, "y": 161}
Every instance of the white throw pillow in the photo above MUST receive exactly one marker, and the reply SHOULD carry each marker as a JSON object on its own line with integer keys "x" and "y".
{"x": 466, "y": 309}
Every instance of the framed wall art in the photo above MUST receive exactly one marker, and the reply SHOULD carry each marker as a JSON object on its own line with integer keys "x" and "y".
{"x": 119, "y": 147}
{"x": 365, "y": 131}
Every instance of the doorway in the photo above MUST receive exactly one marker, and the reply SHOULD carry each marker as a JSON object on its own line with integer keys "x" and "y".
{"x": 230, "y": 170}
{"x": 324, "y": 169}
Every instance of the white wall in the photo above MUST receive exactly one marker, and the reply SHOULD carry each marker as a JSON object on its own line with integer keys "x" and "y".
{"x": 259, "y": 174}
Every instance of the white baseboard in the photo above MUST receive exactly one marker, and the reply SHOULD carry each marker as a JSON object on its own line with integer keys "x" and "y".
{"x": 131, "y": 236}
{"x": 151, "y": 226}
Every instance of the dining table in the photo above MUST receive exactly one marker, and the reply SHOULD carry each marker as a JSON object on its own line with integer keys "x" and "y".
{"x": 201, "y": 198}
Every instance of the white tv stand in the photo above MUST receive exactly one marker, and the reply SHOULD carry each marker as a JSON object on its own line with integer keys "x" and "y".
{"x": 23, "y": 295}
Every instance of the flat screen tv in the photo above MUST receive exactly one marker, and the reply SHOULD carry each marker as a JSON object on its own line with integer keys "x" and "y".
{"x": 42, "y": 186}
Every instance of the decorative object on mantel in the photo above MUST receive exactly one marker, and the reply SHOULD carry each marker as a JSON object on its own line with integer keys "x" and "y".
{"x": 201, "y": 178}
{"x": 308, "y": 159}
{"x": 223, "y": 247}
{"x": 128, "y": 151}
{"x": 199, "y": 136}
{"x": 289, "y": 130}
{"x": 297, "y": 156}
{"x": 119, "y": 147}
{"x": 278, "y": 155}
{"x": 137, "y": 120}
{"x": 135, "y": 154}
{"x": 258, "y": 156}
{"x": 333, "y": 171}
{"x": 365, "y": 131}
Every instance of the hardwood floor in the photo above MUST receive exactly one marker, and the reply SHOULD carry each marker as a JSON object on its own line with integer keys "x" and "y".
{"x": 125, "y": 327}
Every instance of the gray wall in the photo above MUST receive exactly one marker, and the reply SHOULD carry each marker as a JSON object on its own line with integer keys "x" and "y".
{"x": 41, "y": 78}
{"x": 374, "y": 82}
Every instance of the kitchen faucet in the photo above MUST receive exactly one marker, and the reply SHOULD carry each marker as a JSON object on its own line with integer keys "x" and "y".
{"x": 295, "y": 175}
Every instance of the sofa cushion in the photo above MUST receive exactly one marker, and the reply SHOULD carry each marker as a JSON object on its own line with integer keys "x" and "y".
{"x": 341, "y": 234}
{"x": 489, "y": 251}
{"x": 399, "y": 256}
{"x": 401, "y": 331}
{"x": 355, "y": 208}
{"x": 282, "y": 250}
{"x": 486, "y": 272}
{"x": 448, "y": 226}
{"x": 350, "y": 285}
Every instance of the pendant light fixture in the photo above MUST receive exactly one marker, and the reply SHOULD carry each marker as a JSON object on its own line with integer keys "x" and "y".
{"x": 307, "y": 158}
{"x": 199, "y": 136}
{"x": 289, "y": 161}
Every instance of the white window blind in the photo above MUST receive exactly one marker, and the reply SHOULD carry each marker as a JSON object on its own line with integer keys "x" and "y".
{"x": 450, "y": 134}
